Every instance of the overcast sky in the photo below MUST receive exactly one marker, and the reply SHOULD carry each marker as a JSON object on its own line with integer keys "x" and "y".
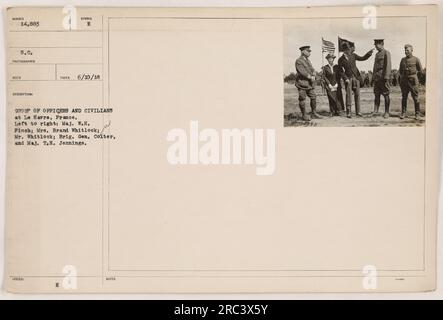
{"x": 396, "y": 31}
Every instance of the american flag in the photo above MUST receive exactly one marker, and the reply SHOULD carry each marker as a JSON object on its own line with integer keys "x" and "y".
{"x": 327, "y": 46}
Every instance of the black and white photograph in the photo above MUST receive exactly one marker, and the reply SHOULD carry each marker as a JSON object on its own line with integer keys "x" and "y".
{"x": 347, "y": 72}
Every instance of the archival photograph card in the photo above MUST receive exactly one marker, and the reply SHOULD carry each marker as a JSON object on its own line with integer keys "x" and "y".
{"x": 241, "y": 150}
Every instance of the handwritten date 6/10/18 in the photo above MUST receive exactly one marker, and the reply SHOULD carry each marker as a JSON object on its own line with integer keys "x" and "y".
{"x": 88, "y": 76}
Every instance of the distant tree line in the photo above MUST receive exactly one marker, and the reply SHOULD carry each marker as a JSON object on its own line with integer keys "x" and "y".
{"x": 366, "y": 75}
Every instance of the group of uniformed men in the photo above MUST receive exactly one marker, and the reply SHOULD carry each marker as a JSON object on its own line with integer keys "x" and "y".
{"x": 347, "y": 71}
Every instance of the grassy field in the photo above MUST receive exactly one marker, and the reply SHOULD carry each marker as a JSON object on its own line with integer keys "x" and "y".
{"x": 367, "y": 105}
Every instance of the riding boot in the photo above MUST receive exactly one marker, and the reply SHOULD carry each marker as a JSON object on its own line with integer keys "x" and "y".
{"x": 357, "y": 109}
{"x": 387, "y": 103}
{"x": 314, "y": 114}
{"x": 417, "y": 110}
{"x": 303, "y": 113}
{"x": 403, "y": 108}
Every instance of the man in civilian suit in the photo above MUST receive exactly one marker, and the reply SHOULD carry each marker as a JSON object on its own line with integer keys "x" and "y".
{"x": 351, "y": 76}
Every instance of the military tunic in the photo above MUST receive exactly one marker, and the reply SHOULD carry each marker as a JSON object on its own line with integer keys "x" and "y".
{"x": 409, "y": 69}
{"x": 303, "y": 82}
{"x": 382, "y": 72}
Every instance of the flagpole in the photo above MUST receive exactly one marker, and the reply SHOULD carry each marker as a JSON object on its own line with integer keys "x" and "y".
{"x": 322, "y": 64}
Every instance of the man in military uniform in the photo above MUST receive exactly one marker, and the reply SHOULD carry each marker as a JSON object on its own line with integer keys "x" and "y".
{"x": 351, "y": 75}
{"x": 410, "y": 67}
{"x": 381, "y": 75}
{"x": 305, "y": 83}
{"x": 331, "y": 85}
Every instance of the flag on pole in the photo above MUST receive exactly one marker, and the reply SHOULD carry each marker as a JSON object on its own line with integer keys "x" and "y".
{"x": 341, "y": 41}
{"x": 327, "y": 46}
